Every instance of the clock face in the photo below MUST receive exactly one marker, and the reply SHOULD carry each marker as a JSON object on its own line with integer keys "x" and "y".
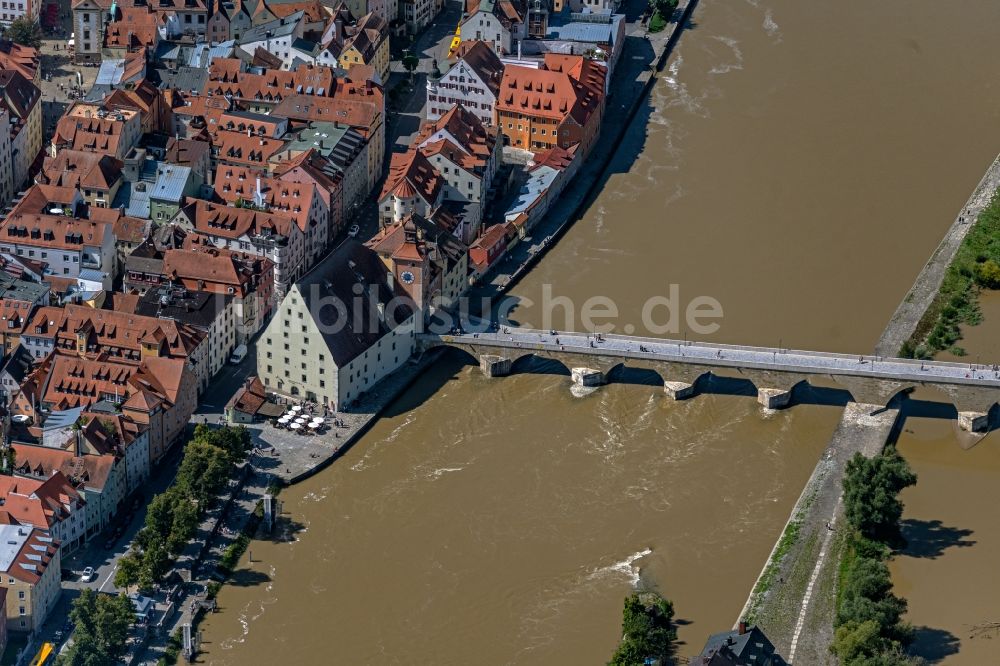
{"x": 407, "y": 277}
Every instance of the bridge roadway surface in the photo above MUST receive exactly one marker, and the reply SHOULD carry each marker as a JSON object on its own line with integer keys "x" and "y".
{"x": 715, "y": 355}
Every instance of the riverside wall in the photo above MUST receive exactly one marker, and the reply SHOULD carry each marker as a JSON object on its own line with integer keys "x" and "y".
{"x": 918, "y": 300}
{"x": 630, "y": 88}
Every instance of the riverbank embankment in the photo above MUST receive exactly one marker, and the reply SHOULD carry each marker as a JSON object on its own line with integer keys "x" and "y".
{"x": 793, "y": 598}
{"x": 915, "y": 313}
{"x": 644, "y": 55}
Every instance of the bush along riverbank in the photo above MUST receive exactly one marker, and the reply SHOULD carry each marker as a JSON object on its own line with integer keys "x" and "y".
{"x": 869, "y": 626}
{"x": 976, "y": 266}
{"x": 648, "y": 631}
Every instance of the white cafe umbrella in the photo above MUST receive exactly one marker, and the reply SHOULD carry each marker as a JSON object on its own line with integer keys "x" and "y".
{"x": 296, "y": 426}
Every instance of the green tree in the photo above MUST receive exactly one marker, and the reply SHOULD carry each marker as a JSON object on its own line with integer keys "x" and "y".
{"x": 647, "y": 630}
{"x": 867, "y": 597}
{"x": 129, "y": 570}
{"x": 988, "y": 274}
{"x": 855, "y": 641}
{"x": 24, "y": 31}
{"x": 9, "y": 461}
{"x": 871, "y": 492}
{"x": 665, "y": 8}
{"x": 235, "y": 440}
{"x": 410, "y": 63}
{"x": 203, "y": 471}
{"x": 102, "y": 623}
{"x": 183, "y": 527}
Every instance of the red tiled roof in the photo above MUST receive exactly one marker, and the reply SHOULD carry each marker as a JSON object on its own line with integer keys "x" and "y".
{"x": 567, "y": 87}
{"x": 291, "y": 199}
{"x": 410, "y": 173}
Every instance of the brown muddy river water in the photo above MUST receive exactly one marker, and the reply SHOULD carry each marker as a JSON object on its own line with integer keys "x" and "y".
{"x": 799, "y": 163}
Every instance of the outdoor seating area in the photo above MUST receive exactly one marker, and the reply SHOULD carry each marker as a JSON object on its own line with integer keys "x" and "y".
{"x": 304, "y": 420}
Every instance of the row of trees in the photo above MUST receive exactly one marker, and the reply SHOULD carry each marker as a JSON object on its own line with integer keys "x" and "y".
{"x": 172, "y": 516}
{"x": 102, "y": 623}
{"x": 647, "y": 630}
{"x": 869, "y": 625}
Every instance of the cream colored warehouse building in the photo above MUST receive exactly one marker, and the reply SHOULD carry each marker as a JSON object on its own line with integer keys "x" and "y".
{"x": 327, "y": 343}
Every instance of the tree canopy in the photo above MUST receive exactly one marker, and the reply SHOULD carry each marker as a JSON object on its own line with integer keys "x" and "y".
{"x": 172, "y": 516}
{"x": 102, "y": 623}
{"x": 24, "y": 31}
{"x": 647, "y": 630}
{"x": 871, "y": 492}
{"x": 869, "y": 626}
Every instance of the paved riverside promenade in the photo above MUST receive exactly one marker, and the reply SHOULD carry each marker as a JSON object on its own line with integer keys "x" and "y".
{"x": 794, "y": 596}
{"x": 643, "y": 55}
{"x": 921, "y": 295}
{"x": 523, "y": 341}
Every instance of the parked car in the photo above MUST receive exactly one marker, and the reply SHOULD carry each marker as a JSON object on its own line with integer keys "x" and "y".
{"x": 239, "y": 354}
{"x": 87, "y": 575}
{"x": 354, "y": 230}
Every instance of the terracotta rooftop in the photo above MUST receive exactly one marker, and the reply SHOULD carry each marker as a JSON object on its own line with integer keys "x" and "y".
{"x": 87, "y": 170}
{"x": 53, "y": 231}
{"x": 291, "y": 199}
{"x": 410, "y": 174}
{"x": 228, "y": 222}
{"x": 22, "y": 59}
{"x": 460, "y": 136}
{"x": 361, "y": 115}
{"x": 119, "y": 333}
{"x": 569, "y": 86}
{"x": 240, "y": 149}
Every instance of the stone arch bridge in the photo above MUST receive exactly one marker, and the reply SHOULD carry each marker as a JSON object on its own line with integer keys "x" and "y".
{"x": 873, "y": 380}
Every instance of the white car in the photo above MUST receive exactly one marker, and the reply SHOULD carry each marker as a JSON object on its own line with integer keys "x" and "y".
{"x": 87, "y": 575}
{"x": 354, "y": 230}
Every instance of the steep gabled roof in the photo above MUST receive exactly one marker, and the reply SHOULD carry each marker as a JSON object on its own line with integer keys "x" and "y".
{"x": 410, "y": 174}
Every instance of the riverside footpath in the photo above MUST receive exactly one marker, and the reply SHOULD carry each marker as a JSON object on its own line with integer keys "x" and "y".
{"x": 920, "y": 297}
{"x": 794, "y": 598}
{"x": 644, "y": 55}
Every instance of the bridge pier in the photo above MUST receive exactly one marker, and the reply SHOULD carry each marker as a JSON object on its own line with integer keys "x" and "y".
{"x": 587, "y": 377}
{"x": 678, "y": 390}
{"x": 494, "y": 366}
{"x": 772, "y": 398}
{"x": 974, "y": 421}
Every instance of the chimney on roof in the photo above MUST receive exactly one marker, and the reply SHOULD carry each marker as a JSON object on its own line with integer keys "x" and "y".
{"x": 742, "y": 627}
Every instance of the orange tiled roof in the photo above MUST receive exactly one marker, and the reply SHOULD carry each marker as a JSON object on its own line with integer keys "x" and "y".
{"x": 213, "y": 219}
{"x": 361, "y": 115}
{"x": 239, "y": 149}
{"x": 569, "y": 86}
{"x": 77, "y": 168}
{"x": 291, "y": 199}
{"x": 120, "y": 334}
{"x": 53, "y": 231}
{"x": 460, "y": 136}
{"x": 137, "y": 27}
{"x": 409, "y": 174}
{"x": 22, "y": 59}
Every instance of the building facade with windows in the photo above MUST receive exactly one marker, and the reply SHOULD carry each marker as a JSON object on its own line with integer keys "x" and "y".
{"x": 30, "y": 568}
{"x": 342, "y": 328}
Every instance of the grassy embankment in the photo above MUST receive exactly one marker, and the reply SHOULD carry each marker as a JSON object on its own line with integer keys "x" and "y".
{"x": 976, "y": 266}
